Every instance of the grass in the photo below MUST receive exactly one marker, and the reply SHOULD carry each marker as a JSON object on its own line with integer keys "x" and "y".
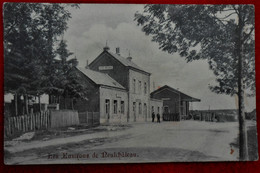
{"x": 64, "y": 132}
{"x": 251, "y": 141}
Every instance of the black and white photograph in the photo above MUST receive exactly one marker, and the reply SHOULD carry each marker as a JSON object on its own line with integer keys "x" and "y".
{"x": 128, "y": 83}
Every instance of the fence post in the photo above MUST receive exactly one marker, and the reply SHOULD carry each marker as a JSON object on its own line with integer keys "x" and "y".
{"x": 40, "y": 119}
{"x": 35, "y": 121}
{"x": 49, "y": 119}
{"x": 8, "y": 127}
{"x": 25, "y": 123}
{"x": 49, "y": 116}
{"x": 87, "y": 117}
{"x": 39, "y": 122}
{"x": 92, "y": 118}
{"x": 31, "y": 119}
{"x": 45, "y": 117}
{"x": 42, "y": 125}
{"x": 17, "y": 121}
{"x": 22, "y": 122}
{"x": 10, "y": 122}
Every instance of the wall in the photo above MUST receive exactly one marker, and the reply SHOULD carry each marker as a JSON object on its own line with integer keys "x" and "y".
{"x": 170, "y": 99}
{"x": 113, "y": 94}
{"x": 83, "y": 105}
{"x": 155, "y": 104}
{"x": 138, "y": 96}
{"x": 63, "y": 118}
{"x": 125, "y": 78}
{"x": 119, "y": 71}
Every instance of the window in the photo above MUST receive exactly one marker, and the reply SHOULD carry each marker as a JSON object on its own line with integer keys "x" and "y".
{"x": 134, "y": 107}
{"x": 107, "y": 106}
{"x": 140, "y": 87}
{"x": 115, "y": 106}
{"x": 140, "y": 108}
{"x": 122, "y": 107}
{"x": 145, "y": 88}
{"x": 133, "y": 85}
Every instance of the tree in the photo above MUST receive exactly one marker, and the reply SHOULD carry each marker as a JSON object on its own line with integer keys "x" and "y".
{"x": 31, "y": 31}
{"x": 19, "y": 50}
{"x": 67, "y": 79}
{"x": 75, "y": 88}
{"x": 221, "y": 34}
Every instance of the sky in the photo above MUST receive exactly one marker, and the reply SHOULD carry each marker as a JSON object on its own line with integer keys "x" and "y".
{"x": 94, "y": 24}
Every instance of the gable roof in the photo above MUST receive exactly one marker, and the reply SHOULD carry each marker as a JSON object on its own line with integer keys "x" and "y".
{"x": 126, "y": 62}
{"x": 123, "y": 61}
{"x": 184, "y": 97}
{"x": 100, "y": 78}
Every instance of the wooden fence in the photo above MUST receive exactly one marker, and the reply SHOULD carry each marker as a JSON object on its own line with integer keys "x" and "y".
{"x": 90, "y": 118}
{"x": 48, "y": 119}
{"x": 63, "y": 118}
{"x": 213, "y": 116}
{"x": 171, "y": 117}
{"x": 25, "y": 123}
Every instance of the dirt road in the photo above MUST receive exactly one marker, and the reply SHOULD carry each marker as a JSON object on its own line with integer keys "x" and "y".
{"x": 144, "y": 142}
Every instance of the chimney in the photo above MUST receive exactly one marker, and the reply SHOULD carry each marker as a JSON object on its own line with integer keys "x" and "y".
{"x": 118, "y": 51}
{"x": 129, "y": 58}
{"x": 106, "y": 48}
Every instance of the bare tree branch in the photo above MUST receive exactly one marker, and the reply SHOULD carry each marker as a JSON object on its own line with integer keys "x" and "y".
{"x": 227, "y": 16}
{"x": 247, "y": 35}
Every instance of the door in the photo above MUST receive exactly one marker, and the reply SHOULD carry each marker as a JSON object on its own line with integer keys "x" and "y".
{"x": 134, "y": 110}
{"x": 166, "y": 109}
{"x": 107, "y": 109}
{"x": 145, "y": 111}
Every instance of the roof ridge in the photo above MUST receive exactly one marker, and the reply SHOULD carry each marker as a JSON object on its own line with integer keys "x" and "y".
{"x": 126, "y": 62}
{"x": 165, "y": 86}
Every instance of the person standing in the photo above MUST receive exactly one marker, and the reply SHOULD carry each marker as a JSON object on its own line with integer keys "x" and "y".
{"x": 158, "y": 117}
{"x": 153, "y": 116}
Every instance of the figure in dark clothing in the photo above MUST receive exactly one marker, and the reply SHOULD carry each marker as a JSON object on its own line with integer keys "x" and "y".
{"x": 158, "y": 117}
{"x": 153, "y": 116}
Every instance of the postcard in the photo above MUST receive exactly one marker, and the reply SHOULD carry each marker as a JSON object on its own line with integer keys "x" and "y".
{"x": 128, "y": 83}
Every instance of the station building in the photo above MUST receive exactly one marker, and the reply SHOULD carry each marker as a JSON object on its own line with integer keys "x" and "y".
{"x": 120, "y": 91}
{"x": 133, "y": 78}
{"x": 105, "y": 95}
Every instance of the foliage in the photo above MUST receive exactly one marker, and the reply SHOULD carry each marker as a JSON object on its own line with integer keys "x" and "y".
{"x": 30, "y": 33}
{"x": 68, "y": 80}
{"x": 210, "y": 32}
{"x": 221, "y": 34}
